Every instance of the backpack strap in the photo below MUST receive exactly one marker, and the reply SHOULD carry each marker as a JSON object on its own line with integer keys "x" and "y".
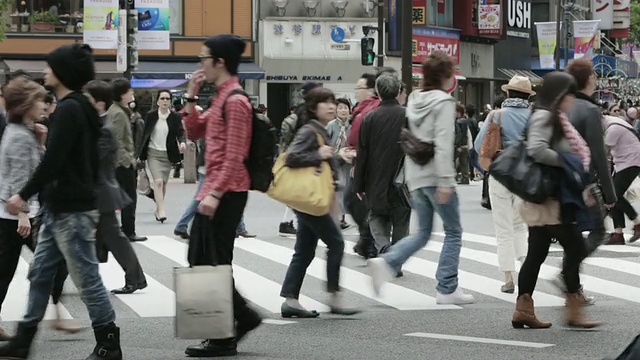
{"x": 234, "y": 92}
{"x": 628, "y": 128}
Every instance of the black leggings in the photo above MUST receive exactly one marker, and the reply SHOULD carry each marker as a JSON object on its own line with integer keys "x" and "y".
{"x": 622, "y": 180}
{"x": 539, "y": 241}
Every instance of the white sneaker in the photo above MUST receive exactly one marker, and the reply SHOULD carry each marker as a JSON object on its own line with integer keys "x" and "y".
{"x": 380, "y": 272}
{"x": 457, "y": 297}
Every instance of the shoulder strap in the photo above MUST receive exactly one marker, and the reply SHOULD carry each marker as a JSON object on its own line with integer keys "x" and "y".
{"x": 628, "y": 128}
{"x": 499, "y": 117}
{"x": 233, "y": 92}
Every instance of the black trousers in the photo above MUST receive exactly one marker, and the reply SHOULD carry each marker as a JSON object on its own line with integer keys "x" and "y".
{"x": 622, "y": 181}
{"x": 539, "y": 241}
{"x": 10, "y": 247}
{"x": 212, "y": 242}
{"x": 108, "y": 233}
{"x": 126, "y": 178}
{"x": 358, "y": 210}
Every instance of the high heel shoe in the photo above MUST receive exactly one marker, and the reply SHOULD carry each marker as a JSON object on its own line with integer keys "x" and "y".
{"x": 161, "y": 220}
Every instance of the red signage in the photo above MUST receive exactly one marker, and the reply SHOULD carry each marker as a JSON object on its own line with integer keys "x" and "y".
{"x": 424, "y": 45}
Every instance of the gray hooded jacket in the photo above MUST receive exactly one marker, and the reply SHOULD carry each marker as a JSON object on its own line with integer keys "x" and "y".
{"x": 431, "y": 116}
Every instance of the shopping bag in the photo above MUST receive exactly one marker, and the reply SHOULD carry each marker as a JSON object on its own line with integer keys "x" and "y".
{"x": 144, "y": 186}
{"x": 310, "y": 190}
{"x": 204, "y": 302}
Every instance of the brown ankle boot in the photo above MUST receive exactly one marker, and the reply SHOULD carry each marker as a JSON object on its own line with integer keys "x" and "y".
{"x": 616, "y": 239}
{"x": 575, "y": 313}
{"x": 525, "y": 315}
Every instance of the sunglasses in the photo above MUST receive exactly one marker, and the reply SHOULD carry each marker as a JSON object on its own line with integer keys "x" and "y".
{"x": 165, "y": 98}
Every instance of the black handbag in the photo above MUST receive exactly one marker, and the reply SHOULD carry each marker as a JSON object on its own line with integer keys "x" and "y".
{"x": 521, "y": 175}
{"x": 421, "y": 152}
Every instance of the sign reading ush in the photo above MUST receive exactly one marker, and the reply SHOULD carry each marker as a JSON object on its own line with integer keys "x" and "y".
{"x": 101, "y": 24}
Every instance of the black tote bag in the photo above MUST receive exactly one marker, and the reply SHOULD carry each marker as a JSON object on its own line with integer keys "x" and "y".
{"x": 521, "y": 175}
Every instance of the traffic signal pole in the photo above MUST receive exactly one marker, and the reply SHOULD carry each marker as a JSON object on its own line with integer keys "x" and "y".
{"x": 380, "y": 62}
{"x": 407, "y": 44}
{"x": 132, "y": 41}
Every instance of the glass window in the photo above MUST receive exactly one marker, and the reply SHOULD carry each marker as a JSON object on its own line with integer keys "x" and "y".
{"x": 440, "y": 13}
{"x": 44, "y": 16}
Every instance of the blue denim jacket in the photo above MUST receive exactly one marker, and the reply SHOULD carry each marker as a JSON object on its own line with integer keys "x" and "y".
{"x": 514, "y": 121}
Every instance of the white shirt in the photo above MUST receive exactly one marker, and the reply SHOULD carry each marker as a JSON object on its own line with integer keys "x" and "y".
{"x": 160, "y": 133}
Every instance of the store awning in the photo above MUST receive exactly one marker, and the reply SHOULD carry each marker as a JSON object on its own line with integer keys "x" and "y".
{"x": 183, "y": 70}
{"x": 509, "y": 73}
{"x": 146, "y": 69}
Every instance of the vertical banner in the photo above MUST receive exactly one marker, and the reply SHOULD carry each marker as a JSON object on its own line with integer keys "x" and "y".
{"x": 621, "y": 19}
{"x": 603, "y": 11}
{"x": 584, "y": 34}
{"x": 489, "y": 17}
{"x": 546, "y": 44}
{"x": 121, "y": 56}
{"x": 153, "y": 24}
{"x": 101, "y": 24}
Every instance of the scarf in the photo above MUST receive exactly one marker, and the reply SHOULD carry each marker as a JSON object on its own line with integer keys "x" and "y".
{"x": 515, "y": 103}
{"x": 577, "y": 143}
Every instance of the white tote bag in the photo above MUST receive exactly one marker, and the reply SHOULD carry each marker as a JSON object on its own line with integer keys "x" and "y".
{"x": 204, "y": 302}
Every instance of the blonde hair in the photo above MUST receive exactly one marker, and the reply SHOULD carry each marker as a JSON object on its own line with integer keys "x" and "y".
{"x": 20, "y": 95}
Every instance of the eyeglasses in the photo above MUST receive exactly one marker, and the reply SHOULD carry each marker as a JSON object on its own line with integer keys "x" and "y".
{"x": 205, "y": 57}
{"x": 165, "y": 99}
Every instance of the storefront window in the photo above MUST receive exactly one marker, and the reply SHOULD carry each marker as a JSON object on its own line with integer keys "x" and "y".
{"x": 440, "y": 13}
{"x": 45, "y": 16}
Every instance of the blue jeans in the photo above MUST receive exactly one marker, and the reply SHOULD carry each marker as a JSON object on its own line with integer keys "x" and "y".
{"x": 423, "y": 201}
{"x": 190, "y": 212}
{"x": 68, "y": 237}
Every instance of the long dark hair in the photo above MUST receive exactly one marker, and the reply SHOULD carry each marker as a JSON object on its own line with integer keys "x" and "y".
{"x": 555, "y": 86}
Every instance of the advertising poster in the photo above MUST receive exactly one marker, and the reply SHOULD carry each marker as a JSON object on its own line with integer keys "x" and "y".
{"x": 101, "y": 24}
{"x": 547, "y": 44}
{"x": 603, "y": 11}
{"x": 584, "y": 34}
{"x": 154, "y": 24}
{"x": 489, "y": 19}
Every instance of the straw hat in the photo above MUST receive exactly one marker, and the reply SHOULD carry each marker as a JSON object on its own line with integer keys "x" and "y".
{"x": 519, "y": 83}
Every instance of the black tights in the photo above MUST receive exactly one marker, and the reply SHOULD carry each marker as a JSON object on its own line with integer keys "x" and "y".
{"x": 539, "y": 241}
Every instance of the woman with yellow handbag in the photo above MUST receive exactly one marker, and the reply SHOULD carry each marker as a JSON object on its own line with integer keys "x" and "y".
{"x": 304, "y": 179}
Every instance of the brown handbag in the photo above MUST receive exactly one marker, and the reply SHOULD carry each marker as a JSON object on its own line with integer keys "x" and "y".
{"x": 492, "y": 141}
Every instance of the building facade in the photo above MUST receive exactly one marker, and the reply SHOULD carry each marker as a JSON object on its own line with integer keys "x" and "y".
{"x": 39, "y": 26}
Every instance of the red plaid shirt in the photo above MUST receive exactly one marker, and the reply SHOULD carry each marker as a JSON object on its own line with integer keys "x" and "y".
{"x": 227, "y": 140}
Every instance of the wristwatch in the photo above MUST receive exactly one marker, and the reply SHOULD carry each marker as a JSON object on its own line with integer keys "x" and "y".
{"x": 190, "y": 99}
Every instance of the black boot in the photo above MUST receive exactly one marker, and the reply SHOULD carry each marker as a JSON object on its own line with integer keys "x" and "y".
{"x": 213, "y": 348}
{"x": 19, "y": 346}
{"x": 107, "y": 344}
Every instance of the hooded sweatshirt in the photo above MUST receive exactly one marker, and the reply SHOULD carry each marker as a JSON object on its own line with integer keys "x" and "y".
{"x": 431, "y": 116}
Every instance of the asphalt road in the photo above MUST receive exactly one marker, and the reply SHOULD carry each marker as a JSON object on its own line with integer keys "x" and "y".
{"x": 404, "y": 324}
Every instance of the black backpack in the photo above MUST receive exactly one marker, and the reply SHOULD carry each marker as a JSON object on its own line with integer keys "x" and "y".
{"x": 262, "y": 152}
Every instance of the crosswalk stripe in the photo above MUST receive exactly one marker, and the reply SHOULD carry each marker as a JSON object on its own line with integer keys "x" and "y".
{"x": 155, "y": 300}
{"x": 628, "y": 267}
{"x": 398, "y": 297}
{"x": 590, "y": 283}
{"x": 15, "y": 304}
{"x": 473, "y": 282}
{"x": 257, "y": 289}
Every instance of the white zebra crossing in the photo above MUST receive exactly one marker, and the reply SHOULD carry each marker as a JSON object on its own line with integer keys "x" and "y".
{"x": 158, "y": 299}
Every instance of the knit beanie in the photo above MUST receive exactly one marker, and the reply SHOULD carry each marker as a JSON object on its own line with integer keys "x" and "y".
{"x": 227, "y": 47}
{"x": 72, "y": 65}
{"x": 307, "y": 87}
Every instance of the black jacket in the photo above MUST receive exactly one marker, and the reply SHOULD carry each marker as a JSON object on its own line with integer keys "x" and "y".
{"x": 586, "y": 117}
{"x": 379, "y": 154}
{"x": 176, "y": 134}
{"x": 68, "y": 173}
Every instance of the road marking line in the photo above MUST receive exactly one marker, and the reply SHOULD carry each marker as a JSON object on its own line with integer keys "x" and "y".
{"x": 481, "y": 340}
{"x": 397, "y": 296}
{"x": 15, "y": 304}
{"x": 156, "y": 300}
{"x": 278, "y": 322}
{"x": 477, "y": 283}
{"x": 259, "y": 290}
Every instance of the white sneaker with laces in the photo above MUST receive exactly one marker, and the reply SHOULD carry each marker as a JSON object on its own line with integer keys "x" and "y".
{"x": 457, "y": 297}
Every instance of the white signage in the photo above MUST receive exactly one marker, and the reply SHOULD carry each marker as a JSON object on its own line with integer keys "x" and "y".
{"x": 100, "y": 19}
{"x": 603, "y": 11}
{"x": 154, "y": 25}
{"x": 519, "y": 18}
{"x": 121, "y": 56}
